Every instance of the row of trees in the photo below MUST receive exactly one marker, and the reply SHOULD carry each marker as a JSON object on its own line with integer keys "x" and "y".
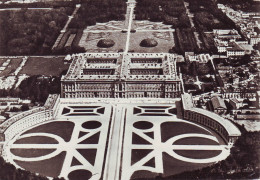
{"x": 30, "y": 32}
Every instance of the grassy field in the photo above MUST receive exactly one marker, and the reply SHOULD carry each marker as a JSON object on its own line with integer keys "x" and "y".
{"x": 14, "y": 64}
{"x": 44, "y": 66}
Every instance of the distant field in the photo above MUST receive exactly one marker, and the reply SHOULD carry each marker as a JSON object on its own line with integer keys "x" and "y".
{"x": 44, "y": 66}
{"x": 14, "y": 64}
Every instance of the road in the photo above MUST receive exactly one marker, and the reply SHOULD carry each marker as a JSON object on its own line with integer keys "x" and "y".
{"x": 131, "y": 6}
{"x": 114, "y": 151}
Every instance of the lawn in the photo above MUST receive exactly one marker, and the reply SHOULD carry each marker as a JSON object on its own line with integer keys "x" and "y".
{"x": 36, "y": 140}
{"x": 165, "y": 41}
{"x": 80, "y": 175}
{"x": 30, "y": 153}
{"x": 49, "y": 167}
{"x": 195, "y": 141}
{"x": 44, "y": 66}
{"x": 61, "y": 128}
{"x": 198, "y": 154}
{"x": 171, "y": 129}
{"x": 14, "y": 64}
{"x": 173, "y": 166}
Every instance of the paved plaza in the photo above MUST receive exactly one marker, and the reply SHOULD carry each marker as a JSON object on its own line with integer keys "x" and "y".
{"x": 115, "y": 141}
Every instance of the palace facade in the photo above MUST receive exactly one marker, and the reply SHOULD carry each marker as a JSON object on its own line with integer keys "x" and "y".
{"x": 118, "y": 75}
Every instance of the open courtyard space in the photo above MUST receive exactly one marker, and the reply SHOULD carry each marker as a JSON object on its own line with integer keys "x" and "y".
{"x": 114, "y": 140}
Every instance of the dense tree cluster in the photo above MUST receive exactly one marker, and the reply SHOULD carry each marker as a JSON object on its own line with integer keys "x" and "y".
{"x": 9, "y": 172}
{"x": 35, "y": 88}
{"x": 94, "y": 11}
{"x": 28, "y": 31}
{"x": 244, "y": 5}
{"x": 39, "y": 4}
{"x": 170, "y": 12}
{"x": 206, "y": 18}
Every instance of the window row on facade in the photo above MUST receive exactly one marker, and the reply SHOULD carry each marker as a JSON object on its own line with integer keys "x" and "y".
{"x": 208, "y": 122}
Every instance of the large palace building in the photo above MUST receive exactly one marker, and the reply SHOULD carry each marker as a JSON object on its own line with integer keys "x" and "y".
{"x": 116, "y": 75}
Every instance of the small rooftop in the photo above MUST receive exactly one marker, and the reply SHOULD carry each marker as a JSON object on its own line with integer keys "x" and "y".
{"x": 187, "y": 101}
{"x": 218, "y": 102}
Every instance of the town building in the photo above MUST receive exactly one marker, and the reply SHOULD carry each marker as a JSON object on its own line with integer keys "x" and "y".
{"x": 201, "y": 58}
{"x": 227, "y": 34}
{"x": 235, "y": 103}
{"x": 258, "y": 99}
{"x": 218, "y": 105}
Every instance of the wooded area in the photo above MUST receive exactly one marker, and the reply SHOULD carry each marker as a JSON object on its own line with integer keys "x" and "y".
{"x": 170, "y": 12}
{"x": 35, "y": 88}
{"x": 94, "y": 11}
{"x": 31, "y": 32}
{"x": 244, "y": 5}
{"x": 9, "y": 172}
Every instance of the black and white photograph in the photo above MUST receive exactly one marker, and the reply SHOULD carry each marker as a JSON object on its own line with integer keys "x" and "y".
{"x": 129, "y": 89}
